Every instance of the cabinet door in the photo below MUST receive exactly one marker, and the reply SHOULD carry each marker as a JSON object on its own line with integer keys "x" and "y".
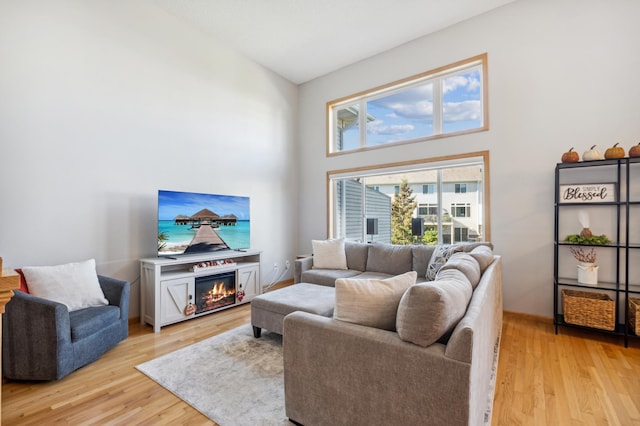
{"x": 174, "y": 297}
{"x": 249, "y": 281}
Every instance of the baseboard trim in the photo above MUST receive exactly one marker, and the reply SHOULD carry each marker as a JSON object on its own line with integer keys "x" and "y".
{"x": 539, "y": 318}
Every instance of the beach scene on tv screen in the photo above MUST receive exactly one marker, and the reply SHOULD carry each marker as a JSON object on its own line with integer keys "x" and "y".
{"x": 192, "y": 223}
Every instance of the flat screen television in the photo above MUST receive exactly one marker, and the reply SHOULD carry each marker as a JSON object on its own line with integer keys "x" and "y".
{"x": 193, "y": 223}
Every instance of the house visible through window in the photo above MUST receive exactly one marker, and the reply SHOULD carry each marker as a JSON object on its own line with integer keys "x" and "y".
{"x": 446, "y": 101}
{"x": 395, "y": 195}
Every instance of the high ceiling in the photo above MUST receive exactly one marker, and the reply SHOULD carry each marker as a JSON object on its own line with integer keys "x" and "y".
{"x": 304, "y": 39}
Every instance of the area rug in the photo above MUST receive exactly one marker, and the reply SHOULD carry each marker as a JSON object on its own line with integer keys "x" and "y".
{"x": 232, "y": 378}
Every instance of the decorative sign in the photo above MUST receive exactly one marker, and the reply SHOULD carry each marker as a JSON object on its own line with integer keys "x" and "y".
{"x": 588, "y": 193}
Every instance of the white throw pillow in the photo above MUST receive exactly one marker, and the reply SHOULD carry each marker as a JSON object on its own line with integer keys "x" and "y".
{"x": 329, "y": 254}
{"x": 74, "y": 284}
{"x": 371, "y": 302}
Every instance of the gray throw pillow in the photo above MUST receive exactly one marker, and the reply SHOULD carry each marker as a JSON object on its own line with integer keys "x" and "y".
{"x": 356, "y": 255}
{"x": 390, "y": 259}
{"x": 464, "y": 263}
{"x": 427, "y": 311}
{"x": 483, "y": 255}
{"x": 421, "y": 257}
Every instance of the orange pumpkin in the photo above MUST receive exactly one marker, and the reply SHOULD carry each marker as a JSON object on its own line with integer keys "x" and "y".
{"x": 614, "y": 152}
{"x": 635, "y": 151}
{"x": 570, "y": 157}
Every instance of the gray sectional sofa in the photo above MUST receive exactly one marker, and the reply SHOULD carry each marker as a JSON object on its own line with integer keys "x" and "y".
{"x": 376, "y": 261}
{"x": 344, "y": 373}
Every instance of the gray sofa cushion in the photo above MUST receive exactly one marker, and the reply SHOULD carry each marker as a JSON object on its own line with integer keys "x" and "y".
{"x": 483, "y": 255}
{"x": 389, "y": 258}
{"x": 326, "y": 276}
{"x": 421, "y": 257}
{"x": 428, "y": 311}
{"x": 464, "y": 263}
{"x": 356, "y": 255}
{"x": 471, "y": 246}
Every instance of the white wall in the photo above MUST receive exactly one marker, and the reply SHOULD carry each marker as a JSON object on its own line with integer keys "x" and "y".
{"x": 562, "y": 73}
{"x": 104, "y": 103}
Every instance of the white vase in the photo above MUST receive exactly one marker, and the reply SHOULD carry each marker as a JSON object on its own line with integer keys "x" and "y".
{"x": 588, "y": 273}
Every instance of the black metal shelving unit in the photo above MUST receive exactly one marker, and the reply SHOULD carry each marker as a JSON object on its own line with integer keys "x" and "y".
{"x": 626, "y": 197}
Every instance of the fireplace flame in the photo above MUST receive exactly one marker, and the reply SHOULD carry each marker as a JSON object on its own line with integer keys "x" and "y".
{"x": 218, "y": 292}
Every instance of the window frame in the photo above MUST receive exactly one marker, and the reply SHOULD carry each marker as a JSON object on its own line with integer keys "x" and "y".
{"x": 435, "y": 75}
{"x": 390, "y": 168}
{"x": 465, "y": 206}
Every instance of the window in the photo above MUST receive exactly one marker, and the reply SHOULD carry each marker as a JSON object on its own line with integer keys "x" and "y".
{"x": 445, "y": 101}
{"x": 460, "y": 234}
{"x": 427, "y": 210}
{"x": 460, "y": 188}
{"x": 461, "y": 210}
{"x": 379, "y": 191}
{"x": 429, "y": 188}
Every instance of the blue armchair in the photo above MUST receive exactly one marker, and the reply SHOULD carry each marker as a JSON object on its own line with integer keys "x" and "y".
{"x": 42, "y": 340}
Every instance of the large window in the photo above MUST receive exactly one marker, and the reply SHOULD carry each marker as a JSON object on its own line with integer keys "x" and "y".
{"x": 449, "y": 100}
{"x": 394, "y": 195}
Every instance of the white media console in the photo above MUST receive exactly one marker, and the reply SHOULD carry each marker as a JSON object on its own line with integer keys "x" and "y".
{"x": 186, "y": 287}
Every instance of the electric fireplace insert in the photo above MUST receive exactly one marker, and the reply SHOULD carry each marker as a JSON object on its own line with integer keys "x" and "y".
{"x": 215, "y": 291}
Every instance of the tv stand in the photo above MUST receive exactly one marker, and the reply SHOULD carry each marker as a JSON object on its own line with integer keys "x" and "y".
{"x": 168, "y": 284}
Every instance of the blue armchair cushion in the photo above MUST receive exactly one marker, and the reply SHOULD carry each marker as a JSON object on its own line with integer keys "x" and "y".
{"x": 86, "y": 322}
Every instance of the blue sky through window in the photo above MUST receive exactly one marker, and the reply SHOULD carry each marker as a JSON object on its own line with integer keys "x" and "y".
{"x": 408, "y": 113}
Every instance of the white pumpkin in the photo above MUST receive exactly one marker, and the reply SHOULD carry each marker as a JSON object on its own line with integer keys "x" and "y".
{"x": 591, "y": 154}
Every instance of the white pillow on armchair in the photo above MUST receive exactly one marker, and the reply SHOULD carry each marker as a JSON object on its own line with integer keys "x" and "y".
{"x": 73, "y": 284}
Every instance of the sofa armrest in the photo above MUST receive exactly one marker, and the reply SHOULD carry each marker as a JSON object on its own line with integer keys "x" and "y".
{"x": 342, "y": 373}
{"x": 476, "y": 339}
{"x": 301, "y": 265}
{"x": 117, "y": 293}
{"x": 36, "y": 333}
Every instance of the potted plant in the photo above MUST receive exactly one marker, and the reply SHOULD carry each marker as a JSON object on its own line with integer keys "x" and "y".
{"x": 587, "y": 268}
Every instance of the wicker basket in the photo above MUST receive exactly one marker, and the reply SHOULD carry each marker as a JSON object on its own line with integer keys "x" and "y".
{"x": 634, "y": 314}
{"x": 589, "y": 309}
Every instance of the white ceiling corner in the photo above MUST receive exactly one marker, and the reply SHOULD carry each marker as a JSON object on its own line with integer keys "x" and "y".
{"x": 304, "y": 39}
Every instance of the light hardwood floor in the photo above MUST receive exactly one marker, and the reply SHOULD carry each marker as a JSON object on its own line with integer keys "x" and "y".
{"x": 574, "y": 378}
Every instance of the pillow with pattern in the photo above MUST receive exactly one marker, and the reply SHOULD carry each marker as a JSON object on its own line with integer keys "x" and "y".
{"x": 440, "y": 255}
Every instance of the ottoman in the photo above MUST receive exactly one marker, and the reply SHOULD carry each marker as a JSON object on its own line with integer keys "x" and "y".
{"x": 269, "y": 309}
